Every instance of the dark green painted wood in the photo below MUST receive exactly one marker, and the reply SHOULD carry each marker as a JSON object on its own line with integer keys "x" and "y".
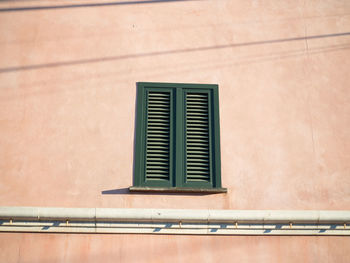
{"x": 158, "y": 133}
{"x": 216, "y": 132}
{"x": 198, "y": 149}
{"x": 139, "y": 140}
{"x": 180, "y": 150}
{"x": 176, "y": 178}
{"x": 159, "y": 102}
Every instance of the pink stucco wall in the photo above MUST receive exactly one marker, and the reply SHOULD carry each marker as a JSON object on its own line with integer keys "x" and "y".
{"x": 67, "y": 112}
{"x": 54, "y": 248}
{"x": 131, "y": 248}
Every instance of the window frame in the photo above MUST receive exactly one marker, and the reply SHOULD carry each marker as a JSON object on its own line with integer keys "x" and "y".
{"x": 177, "y": 151}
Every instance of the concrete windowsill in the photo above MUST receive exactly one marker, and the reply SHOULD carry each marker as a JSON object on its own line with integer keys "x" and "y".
{"x": 178, "y": 190}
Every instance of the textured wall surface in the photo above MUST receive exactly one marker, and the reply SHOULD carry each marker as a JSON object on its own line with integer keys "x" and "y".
{"x": 68, "y": 73}
{"x": 32, "y": 248}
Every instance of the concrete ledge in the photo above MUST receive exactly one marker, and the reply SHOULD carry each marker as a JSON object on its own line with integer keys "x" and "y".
{"x": 178, "y": 190}
{"x": 174, "y": 221}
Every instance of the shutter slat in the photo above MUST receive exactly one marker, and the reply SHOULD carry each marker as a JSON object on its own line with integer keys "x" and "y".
{"x": 153, "y": 164}
{"x": 158, "y": 132}
{"x": 197, "y": 144}
{"x": 158, "y": 128}
{"x": 197, "y": 172}
{"x": 155, "y": 154}
{"x": 158, "y": 94}
{"x": 196, "y": 95}
{"x": 198, "y": 161}
{"x": 159, "y": 116}
{"x": 200, "y": 140}
{"x": 199, "y": 103}
{"x": 157, "y": 139}
{"x": 197, "y": 147}
{"x": 160, "y": 159}
{"x": 158, "y": 136}
{"x": 197, "y": 137}
{"x": 157, "y": 167}
{"x": 197, "y": 168}
{"x": 156, "y": 176}
{"x": 198, "y": 151}
{"x": 198, "y": 132}
{"x": 200, "y": 164}
{"x": 197, "y": 121}
{"x": 160, "y": 121}
{"x": 197, "y": 129}
{"x": 151, "y": 136}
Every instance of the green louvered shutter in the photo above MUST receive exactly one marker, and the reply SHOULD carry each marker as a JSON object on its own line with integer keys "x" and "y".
{"x": 158, "y": 137}
{"x": 177, "y": 142}
{"x": 197, "y": 138}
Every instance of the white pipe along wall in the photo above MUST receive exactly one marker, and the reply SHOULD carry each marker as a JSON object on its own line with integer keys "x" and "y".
{"x": 174, "y": 221}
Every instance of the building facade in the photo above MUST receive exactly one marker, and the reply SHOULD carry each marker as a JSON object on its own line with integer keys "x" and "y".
{"x": 68, "y": 78}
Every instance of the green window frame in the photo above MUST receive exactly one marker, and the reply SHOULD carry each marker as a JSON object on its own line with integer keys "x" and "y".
{"x": 177, "y": 144}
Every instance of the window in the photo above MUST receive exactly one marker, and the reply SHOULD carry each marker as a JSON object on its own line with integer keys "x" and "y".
{"x": 177, "y": 144}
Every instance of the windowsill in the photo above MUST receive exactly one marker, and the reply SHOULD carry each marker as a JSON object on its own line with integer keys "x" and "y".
{"x": 178, "y": 190}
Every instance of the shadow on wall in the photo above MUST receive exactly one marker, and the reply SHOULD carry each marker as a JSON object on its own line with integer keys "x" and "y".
{"x": 176, "y": 51}
{"x": 33, "y": 8}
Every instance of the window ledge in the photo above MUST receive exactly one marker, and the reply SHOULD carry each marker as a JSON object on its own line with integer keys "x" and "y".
{"x": 178, "y": 190}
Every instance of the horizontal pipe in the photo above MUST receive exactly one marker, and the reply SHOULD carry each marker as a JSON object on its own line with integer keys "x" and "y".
{"x": 174, "y": 215}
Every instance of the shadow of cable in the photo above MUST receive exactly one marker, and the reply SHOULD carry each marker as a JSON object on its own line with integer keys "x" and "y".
{"x": 158, "y": 53}
{"x": 35, "y": 8}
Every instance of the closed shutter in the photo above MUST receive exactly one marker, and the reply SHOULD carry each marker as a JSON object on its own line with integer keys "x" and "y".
{"x": 197, "y": 137}
{"x": 177, "y": 142}
{"x": 158, "y": 136}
